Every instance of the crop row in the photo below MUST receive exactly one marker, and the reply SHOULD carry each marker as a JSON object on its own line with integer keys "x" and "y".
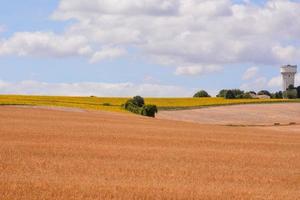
{"x": 115, "y": 104}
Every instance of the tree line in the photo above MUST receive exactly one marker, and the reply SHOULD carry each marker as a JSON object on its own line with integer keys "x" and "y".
{"x": 291, "y": 93}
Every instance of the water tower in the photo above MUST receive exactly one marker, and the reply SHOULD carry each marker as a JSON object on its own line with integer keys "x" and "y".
{"x": 288, "y": 75}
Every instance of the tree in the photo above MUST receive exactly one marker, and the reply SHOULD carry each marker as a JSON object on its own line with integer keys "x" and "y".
{"x": 298, "y": 92}
{"x": 291, "y": 87}
{"x": 238, "y": 93}
{"x": 137, "y": 105}
{"x": 229, "y": 94}
{"x": 247, "y": 95}
{"x": 290, "y": 94}
{"x": 139, "y": 101}
{"x": 149, "y": 110}
{"x": 277, "y": 95}
{"x": 131, "y": 106}
{"x": 201, "y": 93}
{"x": 222, "y": 93}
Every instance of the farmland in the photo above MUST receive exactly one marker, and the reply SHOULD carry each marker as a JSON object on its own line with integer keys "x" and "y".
{"x": 239, "y": 115}
{"x": 54, "y": 154}
{"x": 114, "y": 104}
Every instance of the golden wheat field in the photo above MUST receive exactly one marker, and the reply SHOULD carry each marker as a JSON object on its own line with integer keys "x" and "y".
{"x": 50, "y": 154}
{"x": 114, "y": 104}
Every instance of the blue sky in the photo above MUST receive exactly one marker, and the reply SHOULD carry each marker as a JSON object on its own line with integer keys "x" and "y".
{"x": 151, "y": 48}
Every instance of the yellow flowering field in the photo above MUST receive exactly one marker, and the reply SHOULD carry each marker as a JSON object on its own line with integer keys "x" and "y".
{"x": 114, "y": 104}
{"x": 93, "y": 103}
{"x": 179, "y": 103}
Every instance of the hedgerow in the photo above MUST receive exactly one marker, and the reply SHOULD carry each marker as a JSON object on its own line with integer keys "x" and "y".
{"x": 137, "y": 105}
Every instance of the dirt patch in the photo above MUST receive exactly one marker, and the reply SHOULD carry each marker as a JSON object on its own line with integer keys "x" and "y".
{"x": 258, "y": 114}
{"x": 58, "y": 108}
{"x": 53, "y": 154}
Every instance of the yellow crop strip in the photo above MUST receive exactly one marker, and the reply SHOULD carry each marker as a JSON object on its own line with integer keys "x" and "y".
{"x": 115, "y": 104}
{"x": 202, "y": 102}
{"x": 91, "y": 103}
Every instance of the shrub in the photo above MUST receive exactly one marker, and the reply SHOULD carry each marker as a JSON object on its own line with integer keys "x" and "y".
{"x": 239, "y": 96}
{"x": 247, "y": 95}
{"x": 277, "y": 95}
{"x": 201, "y": 93}
{"x": 149, "y": 110}
{"x": 298, "y": 92}
{"x": 291, "y": 87}
{"x": 237, "y": 93}
{"x": 139, "y": 101}
{"x": 132, "y": 107}
{"x": 290, "y": 94}
{"x": 264, "y": 92}
{"x": 222, "y": 93}
{"x": 229, "y": 94}
{"x": 137, "y": 105}
{"x": 128, "y": 103}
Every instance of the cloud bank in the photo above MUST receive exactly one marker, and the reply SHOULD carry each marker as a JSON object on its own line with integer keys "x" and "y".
{"x": 251, "y": 73}
{"x": 91, "y": 88}
{"x": 194, "y": 33}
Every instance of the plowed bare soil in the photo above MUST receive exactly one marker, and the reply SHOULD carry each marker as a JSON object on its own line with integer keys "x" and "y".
{"x": 56, "y": 154}
{"x": 254, "y": 114}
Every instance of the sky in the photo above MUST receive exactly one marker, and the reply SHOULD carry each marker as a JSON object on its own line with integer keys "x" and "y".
{"x": 158, "y": 48}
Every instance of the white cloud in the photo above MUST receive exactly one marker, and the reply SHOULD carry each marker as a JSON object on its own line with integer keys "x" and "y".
{"x": 258, "y": 84}
{"x": 107, "y": 53}
{"x": 250, "y": 73}
{"x": 151, "y": 79}
{"x": 171, "y": 32}
{"x": 88, "y": 88}
{"x": 68, "y": 8}
{"x": 191, "y": 32}
{"x": 2, "y": 28}
{"x": 275, "y": 82}
{"x": 297, "y": 80}
{"x": 197, "y": 70}
{"x": 289, "y": 53}
{"x": 45, "y": 45}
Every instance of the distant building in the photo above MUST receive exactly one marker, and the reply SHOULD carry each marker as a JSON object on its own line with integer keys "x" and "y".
{"x": 288, "y": 75}
{"x": 263, "y": 96}
{"x": 255, "y": 96}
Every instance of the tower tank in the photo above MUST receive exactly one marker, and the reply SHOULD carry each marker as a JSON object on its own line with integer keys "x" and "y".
{"x": 288, "y": 75}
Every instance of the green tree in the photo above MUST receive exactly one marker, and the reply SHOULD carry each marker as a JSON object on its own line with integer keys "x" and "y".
{"x": 201, "y": 93}
{"x": 222, "y": 93}
{"x": 298, "y": 92}
{"x": 139, "y": 101}
{"x": 229, "y": 94}
{"x": 291, "y": 87}
{"x": 137, "y": 105}
{"x": 290, "y": 94}
{"x": 149, "y": 110}
{"x": 238, "y": 93}
{"x": 247, "y": 95}
{"x": 277, "y": 95}
{"x": 131, "y": 106}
